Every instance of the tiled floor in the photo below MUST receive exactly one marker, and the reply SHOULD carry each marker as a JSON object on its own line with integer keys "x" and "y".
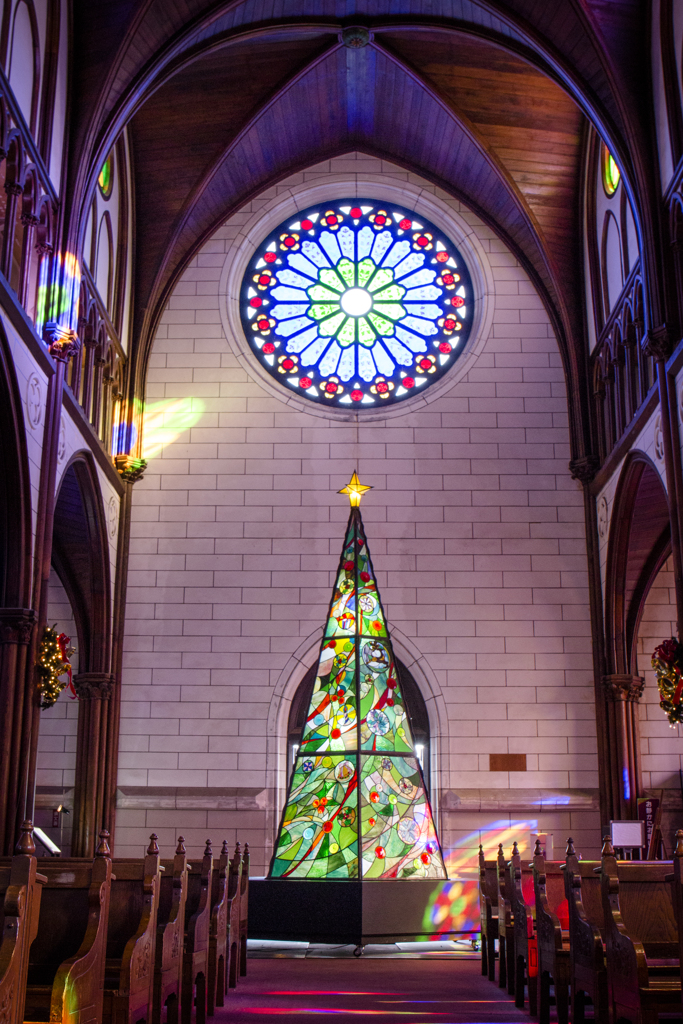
{"x": 403, "y": 989}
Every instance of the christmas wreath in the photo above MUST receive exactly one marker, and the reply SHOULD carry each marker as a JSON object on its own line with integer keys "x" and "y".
{"x": 53, "y": 662}
{"x": 667, "y": 661}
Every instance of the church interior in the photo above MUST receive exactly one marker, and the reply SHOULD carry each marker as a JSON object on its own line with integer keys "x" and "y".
{"x": 341, "y": 510}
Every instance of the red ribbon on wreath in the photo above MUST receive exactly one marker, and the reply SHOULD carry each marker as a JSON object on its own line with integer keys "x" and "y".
{"x": 63, "y": 640}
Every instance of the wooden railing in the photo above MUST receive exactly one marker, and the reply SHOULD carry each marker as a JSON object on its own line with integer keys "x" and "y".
{"x": 622, "y": 374}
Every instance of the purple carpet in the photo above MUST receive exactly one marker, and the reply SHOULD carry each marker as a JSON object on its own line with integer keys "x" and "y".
{"x": 396, "y": 990}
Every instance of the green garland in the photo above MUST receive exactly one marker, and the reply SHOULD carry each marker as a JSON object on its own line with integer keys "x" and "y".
{"x": 667, "y": 661}
{"x": 53, "y": 662}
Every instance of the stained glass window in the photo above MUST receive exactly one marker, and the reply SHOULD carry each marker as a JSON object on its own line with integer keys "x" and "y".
{"x": 105, "y": 180}
{"x": 357, "y": 304}
{"x": 611, "y": 175}
{"x": 357, "y": 804}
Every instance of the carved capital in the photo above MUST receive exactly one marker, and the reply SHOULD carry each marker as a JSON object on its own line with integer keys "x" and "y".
{"x": 29, "y": 220}
{"x": 93, "y": 685}
{"x": 130, "y": 469}
{"x": 13, "y": 188}
{"x": 44, "y": 248}
{"x": 584, "y": 469}
{"x": 16, "y": 625}
{"x": 658, "y": 342}
{"x": 62, "y": 342}
{"x": 623, "y": 687}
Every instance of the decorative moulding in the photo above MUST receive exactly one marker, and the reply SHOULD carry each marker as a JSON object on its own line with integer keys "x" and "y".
{"x": 372, "y": 186}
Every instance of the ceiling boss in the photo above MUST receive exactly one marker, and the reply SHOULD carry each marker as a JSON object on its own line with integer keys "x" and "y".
{"x": 357, "y": 304}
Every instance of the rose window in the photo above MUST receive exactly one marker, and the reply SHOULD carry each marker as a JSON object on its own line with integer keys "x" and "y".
{"x": 357, "y": 304}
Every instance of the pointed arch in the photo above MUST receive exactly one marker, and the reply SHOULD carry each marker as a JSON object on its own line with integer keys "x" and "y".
{"x": 639, "y": 544}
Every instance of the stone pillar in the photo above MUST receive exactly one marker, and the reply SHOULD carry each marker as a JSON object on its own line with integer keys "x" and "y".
{"x": 94, "y": 690}
{"x": 16, "y": 626}
{"x": 623, "y": 693}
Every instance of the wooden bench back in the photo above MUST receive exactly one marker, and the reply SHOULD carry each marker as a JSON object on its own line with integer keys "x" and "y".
{"x": 198, "y": 906}
{"x": 583, "y": 891}
{"x": 20, "y": 893}
{"x": 67, "y": 959}
{"x": 645, "y": 901}
{"x": 170, "y": 931}
{"x": 488, "y": 879}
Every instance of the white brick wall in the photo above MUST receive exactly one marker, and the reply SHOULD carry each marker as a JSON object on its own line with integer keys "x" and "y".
{"x": 476, "y": 531}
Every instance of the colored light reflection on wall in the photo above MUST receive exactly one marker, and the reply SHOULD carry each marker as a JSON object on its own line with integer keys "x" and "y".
{"x": 454, "y": 906}
{"x": 64, "y": 297}
{"x": 164, "y": 421}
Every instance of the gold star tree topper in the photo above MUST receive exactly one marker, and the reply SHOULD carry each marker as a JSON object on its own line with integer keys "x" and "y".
{"x": 355, "y": 490}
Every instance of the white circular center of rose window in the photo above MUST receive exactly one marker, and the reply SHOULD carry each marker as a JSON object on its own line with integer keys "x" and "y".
{"x": 356, "y": 302}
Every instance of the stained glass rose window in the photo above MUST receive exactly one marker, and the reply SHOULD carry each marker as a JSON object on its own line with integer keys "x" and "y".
{"x": 357, "y": 303}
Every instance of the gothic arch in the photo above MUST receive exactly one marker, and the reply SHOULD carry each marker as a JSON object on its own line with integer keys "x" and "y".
{"x": 639, "y": 544}
{"x": 80, "y": 555}
{"x": 15, "y": 492}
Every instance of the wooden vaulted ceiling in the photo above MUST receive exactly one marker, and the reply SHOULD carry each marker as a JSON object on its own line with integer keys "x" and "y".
{"x": 223, "y": 99}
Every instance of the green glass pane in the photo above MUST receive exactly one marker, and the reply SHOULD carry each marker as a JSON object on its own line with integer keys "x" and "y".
{"x": 329, "y": 327}
{"x": 390, "y": 309}
{"x": 347, "y": 271}
{"x": 347, "y": 335}
{"x": 382, "y": 326}
{"x": 394, "y": 291}
{"x": 398, "y": 838}
{"x": 106, "y": 177}
{"x": 331, "y": 279}
{"x": 318, "y": 293}
{"x": 382, "y": 277}
{"x": 319, "y": 833}
{"x": 383, "y": 720}
{"x": 331, "y": 720}
{"x": 366, "y": 269}
{"x": 366, "y": 335}
{"x": 319, "y": 311}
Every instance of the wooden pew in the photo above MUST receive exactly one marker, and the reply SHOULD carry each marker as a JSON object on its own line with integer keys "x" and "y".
{"x": 196, "y": 951}
{"x": 66, "y": 963}
{"x": 526, "y": 949}
{"x": 131, "y": 938}
{"x": 218, "y": 933}
{"x": 235, "y": 897}
{"x": 20, "y": 892}
{"x": 587, "y": 969}
{"x": 641, "y": 938}
{"x": 168, "y": 962}
{"x": 552, "y": 936}
{"x": 506, "y": 931}
{"x": 488, "y": 912}
{"x": 244, "y": 911}
{"x": 675, "y": 879}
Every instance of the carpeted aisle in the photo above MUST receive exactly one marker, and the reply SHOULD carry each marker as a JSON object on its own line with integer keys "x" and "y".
{"x": 415, "y": 991}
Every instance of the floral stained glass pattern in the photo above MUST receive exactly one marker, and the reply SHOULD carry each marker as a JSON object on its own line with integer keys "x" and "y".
{"x": 319, "y": 834}
{"x": 357, "y": 716}
{"x": 398, "y": 835}
{"x": 357, "y": 304}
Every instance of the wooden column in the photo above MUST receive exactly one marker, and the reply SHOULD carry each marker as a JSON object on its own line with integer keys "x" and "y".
{"x": 94, "y": 690}
{"x": 584, "y": 470}
{"x": 623, "y": 693}
{"x": 130, "y": 470}
{"x": 16, "y": 627}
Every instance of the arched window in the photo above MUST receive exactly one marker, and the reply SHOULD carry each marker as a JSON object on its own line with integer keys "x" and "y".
{"x": 413, "y": 702}
{"x": 24, "y": 61}
{"x": 104, "y": 260}
{"x": 612, "y": 267}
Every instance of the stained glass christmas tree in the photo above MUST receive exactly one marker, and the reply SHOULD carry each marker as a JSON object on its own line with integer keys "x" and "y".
{"x": 357, "y": 804}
